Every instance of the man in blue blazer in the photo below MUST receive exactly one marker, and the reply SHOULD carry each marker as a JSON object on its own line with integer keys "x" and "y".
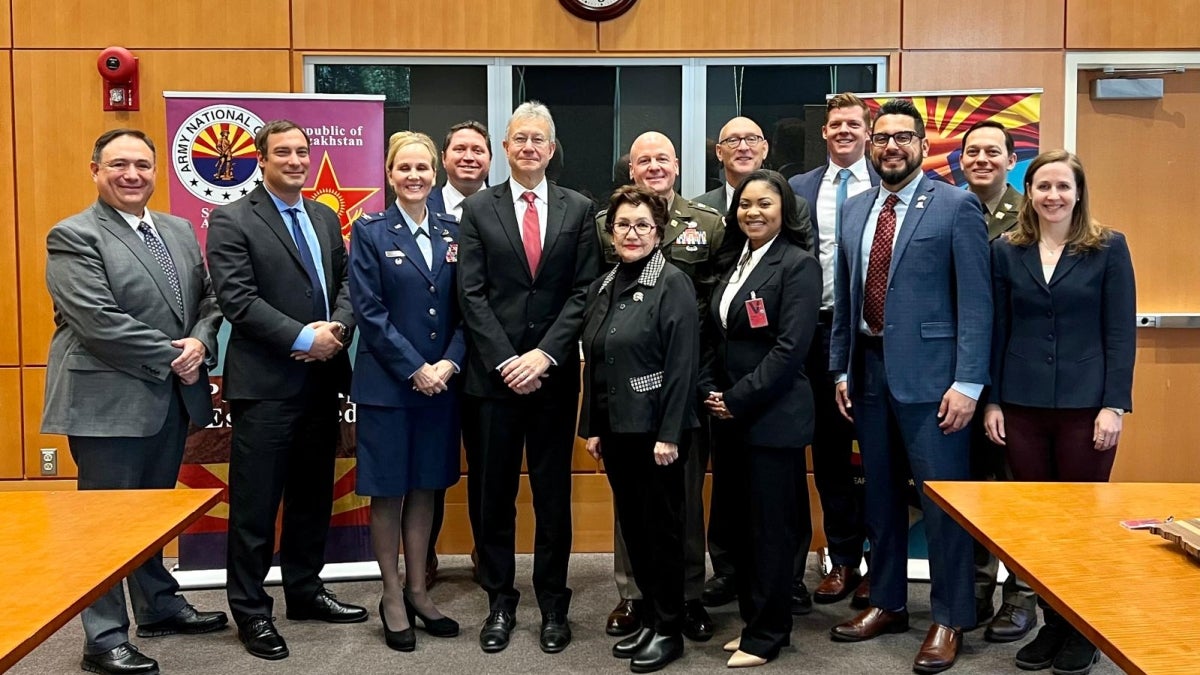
{"x": 846, "y": 174}
{"x": 911, "y": 338}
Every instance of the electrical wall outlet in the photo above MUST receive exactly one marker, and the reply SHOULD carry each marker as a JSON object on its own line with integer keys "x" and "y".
{"x": 49, "y": 461}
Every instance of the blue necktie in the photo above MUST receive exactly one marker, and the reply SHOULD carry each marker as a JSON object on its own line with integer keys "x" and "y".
{"x": 159, "y": 251}
{"x": 306, "y": 259}
{"x": 426, "y": 246}
{"x": 843, "y": 187}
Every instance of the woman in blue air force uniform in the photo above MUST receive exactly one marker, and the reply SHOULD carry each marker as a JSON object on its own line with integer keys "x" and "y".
{"x": 402, "y": 285}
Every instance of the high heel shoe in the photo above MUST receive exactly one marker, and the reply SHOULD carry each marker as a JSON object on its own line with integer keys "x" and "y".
{"x": 443, "y": 627}
{"x": 400, "y": 640}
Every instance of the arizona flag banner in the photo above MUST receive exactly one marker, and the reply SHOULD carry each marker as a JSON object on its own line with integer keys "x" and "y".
{"x": 213, "y": 162}
{"x": 948, "y": 115}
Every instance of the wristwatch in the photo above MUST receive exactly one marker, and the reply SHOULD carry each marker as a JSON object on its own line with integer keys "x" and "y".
{"x": 341, "y": 329}
{"x": 1119, "y": 412}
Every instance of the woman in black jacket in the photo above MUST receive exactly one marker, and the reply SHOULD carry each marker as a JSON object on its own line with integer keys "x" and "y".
{"x": 762, "y": 317}
{"x": 641, "y": 349}
{"x": 1063, "y": 347}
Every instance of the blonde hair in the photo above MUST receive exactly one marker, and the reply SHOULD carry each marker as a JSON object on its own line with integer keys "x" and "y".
{"x": 402, "y": 139}
{"x": 1085, "y": 234}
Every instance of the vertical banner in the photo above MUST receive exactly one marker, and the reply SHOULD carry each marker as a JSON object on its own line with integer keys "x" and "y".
{"x": 948, "y": 115}
{"x": 214, "y": 162}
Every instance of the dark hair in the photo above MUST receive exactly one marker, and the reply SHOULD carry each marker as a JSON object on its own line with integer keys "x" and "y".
{"x": 902, "y": 106}
{"x": 276, "y": 127}
{"x": 847, "y": 100}
{"x": 1009, "y": 144}
{"x": 1085, "y": 234}
{"x": 113, "y": 134}
{"x": 634, "y": 195}
{"x": 735, "y": 239}
{"x": 473, "y": 126}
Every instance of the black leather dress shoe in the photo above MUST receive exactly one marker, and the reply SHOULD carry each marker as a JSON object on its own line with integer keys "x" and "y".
{"x": 556, "y": 633}
{"x": 1010, "y": 624}
{"x": 497, "y": 630}
{"x": 718, "y": 591}
{"x": 625, "y": 649}
{"x": 261, "y": 639}
{"x": 187, "y": 621}
{"x": 326, "y": 607}
{"x": 623, "y": 620}
{"x": 122, "y": 659}
{"x": 802, "y": 602}
{"x": 658, "y": 652}
{"x": 697, "y": 624}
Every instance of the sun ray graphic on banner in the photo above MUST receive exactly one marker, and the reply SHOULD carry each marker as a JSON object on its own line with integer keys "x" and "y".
{"x": 949, "y": 115}
{"x": 345, "y": 201}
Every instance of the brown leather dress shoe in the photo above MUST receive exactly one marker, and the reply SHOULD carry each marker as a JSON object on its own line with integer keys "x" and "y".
{"x": 840, "y": 582}
{"x": 862, "y": 594}
{"x": 939, "y": 650}
{"x": 623, "y": 620}
{"x": 870, "y": 623}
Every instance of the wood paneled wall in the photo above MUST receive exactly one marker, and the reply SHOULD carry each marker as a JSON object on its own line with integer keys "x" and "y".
{"x": 50, "y": 114}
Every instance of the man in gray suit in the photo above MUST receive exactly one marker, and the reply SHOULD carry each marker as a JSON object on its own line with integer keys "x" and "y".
{"x": 135, "y": 333}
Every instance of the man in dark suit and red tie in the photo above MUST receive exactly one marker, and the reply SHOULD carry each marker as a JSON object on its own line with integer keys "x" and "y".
{"x": 281, "y": 274}
{"x": 527, "y": 253}
{"x": 911, "y": 336}
{"x": 827, "y": 187}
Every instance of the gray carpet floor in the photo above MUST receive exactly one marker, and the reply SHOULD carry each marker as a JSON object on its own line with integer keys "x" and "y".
{"x": 322, "y": 649}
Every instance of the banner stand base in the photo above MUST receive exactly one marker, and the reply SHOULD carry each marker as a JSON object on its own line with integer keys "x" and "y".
{"x": 199, "y": 579}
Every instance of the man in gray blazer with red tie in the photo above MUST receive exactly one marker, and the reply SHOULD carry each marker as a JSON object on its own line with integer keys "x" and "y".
{"x": 135, "y": 334}
{"x": 912, "y": 325}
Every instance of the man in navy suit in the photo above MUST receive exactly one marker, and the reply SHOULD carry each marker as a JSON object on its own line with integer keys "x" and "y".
{"x": 846, "y": 174}
{"x": 467, "y": 156}
{"x": 911, "y": 338}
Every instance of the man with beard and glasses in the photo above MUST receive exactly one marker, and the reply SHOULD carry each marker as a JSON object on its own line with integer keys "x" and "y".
{"x": 912, "y": 325}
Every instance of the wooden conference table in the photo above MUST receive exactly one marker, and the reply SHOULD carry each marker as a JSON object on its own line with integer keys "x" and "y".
{"x": 1135, "y": 595}
{"x": 59, "y": 551}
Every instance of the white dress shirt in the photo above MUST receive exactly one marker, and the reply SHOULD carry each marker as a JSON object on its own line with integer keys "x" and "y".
{"x": 740, "y": 274}
{"x": 453, "y": 200}
{"x": 858, "y": 182}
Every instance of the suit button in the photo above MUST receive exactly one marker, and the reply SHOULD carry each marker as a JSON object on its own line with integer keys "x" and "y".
{"x": 621, "y": 306}
{"x": 1050, "y": 337}
{"x": 533, "y": 292}
{"x": 611, "y": 331}
{"x": 433, "y": 289}
{"x": 531, "y": 324}
{"x": 432, "y": 312}
{"x": 308, "y": 293}
{"x": 1049, "y": 314}
{"x": 611, "y": 360}
{"x": 433, "y": 335}
{"x": 1049, "y": 359}
{"x": 612, "y": 390}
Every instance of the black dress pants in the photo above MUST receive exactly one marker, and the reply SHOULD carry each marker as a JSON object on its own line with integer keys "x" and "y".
{"x": 497, "y": 433}
{"x": 281, "y": 450}
{"x": 649, "y": 500}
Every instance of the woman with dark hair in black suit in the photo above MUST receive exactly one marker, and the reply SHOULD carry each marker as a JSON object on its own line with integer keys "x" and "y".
{"x": 641, "y": 341}
{"x": 763, "y": 315}
{"x": 1063, "y": 347}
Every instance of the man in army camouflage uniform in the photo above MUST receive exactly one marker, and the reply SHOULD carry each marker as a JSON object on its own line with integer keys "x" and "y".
{"x": 690, "y": 243}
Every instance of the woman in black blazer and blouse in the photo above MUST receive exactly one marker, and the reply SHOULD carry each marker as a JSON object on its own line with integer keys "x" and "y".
{"x": 641, "y": 342}
{"x": 1062, "y": 355}
{"x": 762, "y": 317}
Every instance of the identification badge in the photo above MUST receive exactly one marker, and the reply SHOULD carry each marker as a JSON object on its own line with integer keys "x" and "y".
{"x": 756, "y": 312}
{"x": 452, "y": 252}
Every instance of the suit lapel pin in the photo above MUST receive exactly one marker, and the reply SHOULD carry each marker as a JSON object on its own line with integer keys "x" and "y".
{"x": 446, "y": 235}
{"x": 920, "y": 202}
{"x": 1007, "y": 206}
{"x": 637, "y": 297}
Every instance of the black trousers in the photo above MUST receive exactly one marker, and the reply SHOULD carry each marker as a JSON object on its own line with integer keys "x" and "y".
{"x": 497, "y": 433}
{"x": 281, "y": 450}
{"x": 833, "y": 468}
{"x": 766, "y": 510}
{"x": 722, "y": 523}
{"x": 649, "y": 501}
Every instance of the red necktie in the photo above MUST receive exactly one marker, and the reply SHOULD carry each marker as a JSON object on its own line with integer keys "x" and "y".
{"x": 531, "y": 233}
{"x": 879, "y": 264}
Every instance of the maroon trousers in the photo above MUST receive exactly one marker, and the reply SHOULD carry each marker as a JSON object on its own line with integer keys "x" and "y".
{"x": 1055, "y": 444}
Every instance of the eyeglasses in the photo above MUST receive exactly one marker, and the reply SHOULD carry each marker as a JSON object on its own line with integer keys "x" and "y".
{"x": 121, "y": 166}
{"x": 902, "y": 138}
{"x": 537, "y": 141}
{"x": 732, "y": 142}
{"x": 642, "y": 228}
